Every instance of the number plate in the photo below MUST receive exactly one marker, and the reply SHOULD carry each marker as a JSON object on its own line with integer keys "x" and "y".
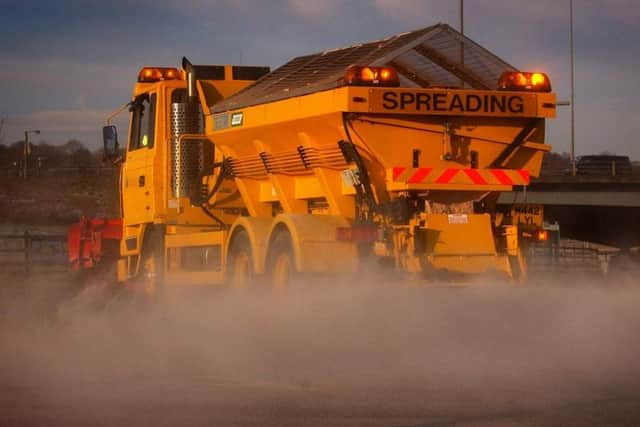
{"x": 528, "y": 214}
{"x": 458, "y": 219}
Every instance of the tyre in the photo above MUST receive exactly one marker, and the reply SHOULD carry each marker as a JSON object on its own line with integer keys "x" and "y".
{"x": 281, "y": 266}
{"x": 152, "y": 262}
{"x": 240, "y": 261}
{"x": 518, "y": 264}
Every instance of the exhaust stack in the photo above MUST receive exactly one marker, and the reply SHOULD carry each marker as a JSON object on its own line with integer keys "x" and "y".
{"x": 187, "y": 155}
{"x": 191, "y": 79}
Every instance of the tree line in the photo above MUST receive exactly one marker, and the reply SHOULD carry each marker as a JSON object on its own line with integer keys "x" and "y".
{"x": 72, "y": 154}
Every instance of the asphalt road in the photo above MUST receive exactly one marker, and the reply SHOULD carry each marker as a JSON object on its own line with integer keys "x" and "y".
{"x": 207, "y": 402}
{"x": 345, "y": 356}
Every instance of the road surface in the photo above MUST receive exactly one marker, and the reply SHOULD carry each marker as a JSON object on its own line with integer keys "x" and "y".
{"x": 338, "y": 355}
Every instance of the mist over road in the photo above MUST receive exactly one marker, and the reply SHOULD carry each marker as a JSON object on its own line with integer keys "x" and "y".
{"x": 330, "y": 354}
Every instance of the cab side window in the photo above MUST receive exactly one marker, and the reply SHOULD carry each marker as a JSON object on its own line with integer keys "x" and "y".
{"x": 143, "y": 122}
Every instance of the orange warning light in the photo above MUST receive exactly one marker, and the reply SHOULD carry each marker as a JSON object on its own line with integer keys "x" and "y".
{"x": 523, "y": 81}
{"x": 371, "y": 76}
{"x": 155, "y": 74}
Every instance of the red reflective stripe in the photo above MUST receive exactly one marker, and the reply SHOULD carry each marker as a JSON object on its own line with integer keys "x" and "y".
{"x": 502, "y": 177}
{"x": 525, "y": 175}
{"x": 419, "y": 175}
{"x": 475, "y": 176}
{"x": 397, "y": 171}
{"x": 447, "y": 176}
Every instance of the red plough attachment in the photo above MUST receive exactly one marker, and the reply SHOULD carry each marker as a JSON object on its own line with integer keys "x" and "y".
{"x": 402, "y": 178}
{"x": 86, "y": 241}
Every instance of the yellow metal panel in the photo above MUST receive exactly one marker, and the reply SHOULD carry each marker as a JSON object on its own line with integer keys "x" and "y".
{"x": 331, "y": 183}
{"x": 287, "y": 110}
{"x": 470, "y": 264}
{"x": 546, "y": 105}
{"x": 134, "y": 234}
{"x": 251, "y": 194}
{"x": 511, "y": 239}
{"x": 348, "y": 190}
{"x": 457, "y": 102}
{"x": 122, "y": 273}
{"x": 485, "y": 135}
{"x": 178, "y": 279}
{"x": 364, "y": 99}
{"x": 286, "y": 187}
{"x": 268, "y": 192}
{"x": 137, "y": 183}
{"x": 308, "y": 187}
{"x": 208, "y": 238}
{"x": 459, "y": 234}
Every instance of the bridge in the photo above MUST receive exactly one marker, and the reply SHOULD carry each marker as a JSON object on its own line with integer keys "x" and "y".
{"x": 600, "y": 209}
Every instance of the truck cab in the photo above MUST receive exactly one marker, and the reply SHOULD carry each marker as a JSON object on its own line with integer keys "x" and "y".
{"x": 167, "y": 162}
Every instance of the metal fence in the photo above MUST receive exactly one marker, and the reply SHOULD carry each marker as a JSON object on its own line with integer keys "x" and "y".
{"x": 568, "y": 255}
{"x": 29, "y": 249}
{"x": 14, "y": 171}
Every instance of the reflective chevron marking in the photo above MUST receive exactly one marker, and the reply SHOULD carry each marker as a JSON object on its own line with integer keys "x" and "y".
{"x": 464, "y": 176}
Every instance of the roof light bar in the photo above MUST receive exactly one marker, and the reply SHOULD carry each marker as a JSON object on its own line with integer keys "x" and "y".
{"x": 155, "y": 74}
{"x": 524, "y": 81}
{"x": 371, "y": 76}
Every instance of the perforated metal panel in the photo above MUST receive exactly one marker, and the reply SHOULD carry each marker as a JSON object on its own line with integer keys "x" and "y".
{"x": 436, "y": 56}
{"x": 187, "y": 158}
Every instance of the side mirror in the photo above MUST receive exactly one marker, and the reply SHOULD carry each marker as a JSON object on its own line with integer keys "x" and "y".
{"x": 110, "y": 141}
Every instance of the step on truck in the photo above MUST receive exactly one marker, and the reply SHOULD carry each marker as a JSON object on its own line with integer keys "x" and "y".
{"x": 388, "y": 154}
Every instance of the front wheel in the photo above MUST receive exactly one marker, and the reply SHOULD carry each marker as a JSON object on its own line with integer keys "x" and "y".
{"x": 151, "y": 274}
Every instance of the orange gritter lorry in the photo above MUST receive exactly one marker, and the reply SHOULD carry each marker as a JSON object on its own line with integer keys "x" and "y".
{"x": 388, "y": 154}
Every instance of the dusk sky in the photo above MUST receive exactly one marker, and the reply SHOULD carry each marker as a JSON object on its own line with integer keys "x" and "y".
{"x": 67, "y": 63}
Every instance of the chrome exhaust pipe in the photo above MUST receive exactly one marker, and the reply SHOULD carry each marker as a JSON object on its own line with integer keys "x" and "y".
{"x": 191, "y": 79}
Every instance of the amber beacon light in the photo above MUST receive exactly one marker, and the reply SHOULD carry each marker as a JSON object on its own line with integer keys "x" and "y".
{"x": 371, "y": 76}
{"x": 523, "y": 81}
{"x": 155, "y": 74}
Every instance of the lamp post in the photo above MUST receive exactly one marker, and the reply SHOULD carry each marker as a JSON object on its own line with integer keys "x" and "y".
{"x": 27, "y": 150}
{"x": 461, "y": 19}
{"x": 573, "y": 146}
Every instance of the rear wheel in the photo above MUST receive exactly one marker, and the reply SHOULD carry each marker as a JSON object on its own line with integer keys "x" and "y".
{"x": 518, "y": 264}
{"x": 240, "y": 261}
{"x": 281, "y": 266}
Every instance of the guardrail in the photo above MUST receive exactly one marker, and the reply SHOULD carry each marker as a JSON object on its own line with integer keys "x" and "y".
{"x": 571, "y": 255}
{"x": 29, "y": 248}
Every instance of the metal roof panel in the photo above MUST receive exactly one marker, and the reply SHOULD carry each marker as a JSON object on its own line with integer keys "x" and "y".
{"x": 426, "y": 57}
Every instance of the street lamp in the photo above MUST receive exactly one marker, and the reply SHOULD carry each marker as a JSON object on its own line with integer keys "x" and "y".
{"x": 27, "y": 150}
{"x": 573, "y": 145}
{"x": 461, "y": 18}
